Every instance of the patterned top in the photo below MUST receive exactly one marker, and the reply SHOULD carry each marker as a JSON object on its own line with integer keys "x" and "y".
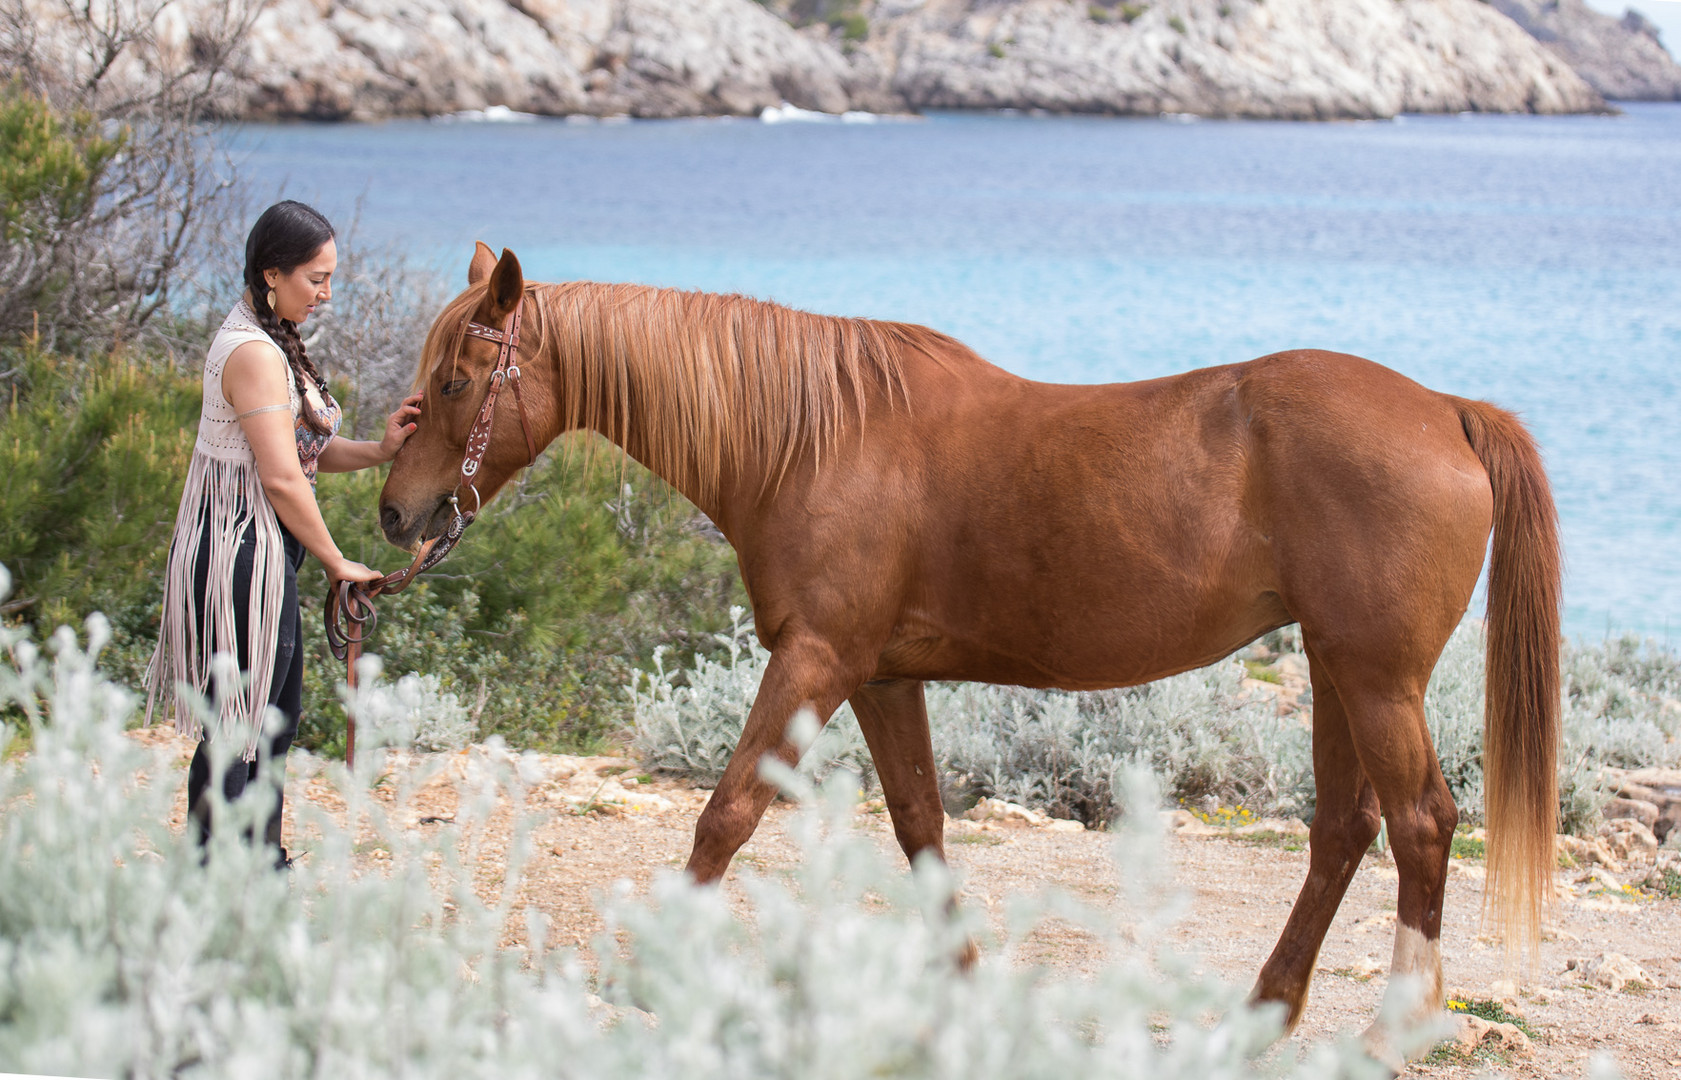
{"x": 310, "y": 444}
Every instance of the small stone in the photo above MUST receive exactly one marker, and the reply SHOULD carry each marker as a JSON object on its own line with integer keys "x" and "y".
{"x": 1185, "y": 823}
{"x": 1610, "y": 971}
{"x": 1635, "y": 809}
{"x": 1471, "y": 1030}
{"x": 1065, "y": 825}
{"x": 1628, "y": 839}
{"x": 1599, "y": 876}
{"x": 997, "y": 811}
{"x": 1281, "y": 826}
{"x": 1475, "y": 1033}
{"x": 1589, "y": 852}
{"x": 1504, "y": 991}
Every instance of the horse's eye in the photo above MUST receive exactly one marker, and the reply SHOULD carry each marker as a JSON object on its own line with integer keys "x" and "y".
{"x": 456, "y": 386}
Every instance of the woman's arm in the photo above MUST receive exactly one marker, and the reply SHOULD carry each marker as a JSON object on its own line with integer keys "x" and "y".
{"x": 253, "y": 381}
{"x": 348, "y": 455}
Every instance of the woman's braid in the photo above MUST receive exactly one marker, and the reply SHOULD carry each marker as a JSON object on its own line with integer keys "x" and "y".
{"x": 285, "y": 333}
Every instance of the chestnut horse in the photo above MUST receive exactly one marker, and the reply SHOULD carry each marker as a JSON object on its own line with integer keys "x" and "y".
{"x": 903, "y": 510}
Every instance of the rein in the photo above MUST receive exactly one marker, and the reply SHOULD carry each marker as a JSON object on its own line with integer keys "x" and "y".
{"x": 349, "y": 610}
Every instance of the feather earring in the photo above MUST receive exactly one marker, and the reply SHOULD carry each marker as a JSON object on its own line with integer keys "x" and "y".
{"x": 271, "y": 299}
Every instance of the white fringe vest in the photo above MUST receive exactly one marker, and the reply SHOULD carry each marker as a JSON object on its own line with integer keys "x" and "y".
{"x": 223, "y": 489}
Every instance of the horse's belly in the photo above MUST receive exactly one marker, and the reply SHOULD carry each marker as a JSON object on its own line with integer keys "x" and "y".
{"x": 1085, "y": 650}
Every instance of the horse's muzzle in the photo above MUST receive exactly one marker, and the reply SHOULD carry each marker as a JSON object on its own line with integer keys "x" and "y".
{"x": 409, "y": 531}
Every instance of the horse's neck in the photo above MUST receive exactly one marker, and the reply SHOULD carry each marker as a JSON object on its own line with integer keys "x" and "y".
{"x": 623, "y": 423}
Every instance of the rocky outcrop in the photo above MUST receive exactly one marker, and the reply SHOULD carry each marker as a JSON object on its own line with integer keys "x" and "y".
{"x": 360, "y": 59}
{"x": 364, "y": 59}
{"x": 1620, "y": 58}
{"x": 1298, "y": 59}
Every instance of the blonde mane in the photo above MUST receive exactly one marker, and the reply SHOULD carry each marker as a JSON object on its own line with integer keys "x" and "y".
{"x": 701, "y": 379}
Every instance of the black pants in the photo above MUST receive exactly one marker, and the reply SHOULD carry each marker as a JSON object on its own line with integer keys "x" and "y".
{"x": 285, "y": 692}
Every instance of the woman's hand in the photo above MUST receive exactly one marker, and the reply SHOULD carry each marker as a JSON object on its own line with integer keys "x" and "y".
{"x": 400, "y": 425}
{"x": 346, "y": 570}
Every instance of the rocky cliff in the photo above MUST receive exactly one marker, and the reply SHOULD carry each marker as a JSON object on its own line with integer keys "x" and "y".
{"x": 1620, "y": 58}
{"x": 1299, "y": 59}
{"x": 365, "y": 59}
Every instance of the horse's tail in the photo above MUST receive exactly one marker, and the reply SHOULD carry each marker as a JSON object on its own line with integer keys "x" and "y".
{"x": 1521, "y": 715}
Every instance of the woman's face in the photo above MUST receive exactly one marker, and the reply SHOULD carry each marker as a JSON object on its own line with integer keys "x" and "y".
{"x": 296, "y": 295}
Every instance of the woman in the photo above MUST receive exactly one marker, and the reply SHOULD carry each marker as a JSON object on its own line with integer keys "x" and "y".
{"x": 248, "y": 514}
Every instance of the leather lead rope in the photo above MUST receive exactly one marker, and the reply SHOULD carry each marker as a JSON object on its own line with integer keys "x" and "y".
{"x": 349, "y": 611}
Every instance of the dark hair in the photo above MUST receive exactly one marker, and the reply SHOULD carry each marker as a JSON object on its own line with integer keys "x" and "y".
{"x": 287, "y": 235}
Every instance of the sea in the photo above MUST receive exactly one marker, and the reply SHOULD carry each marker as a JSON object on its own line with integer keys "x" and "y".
{"x": 1531, "y": 261}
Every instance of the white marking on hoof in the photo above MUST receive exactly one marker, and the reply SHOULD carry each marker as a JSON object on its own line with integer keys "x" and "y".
{"x": 1411, "y": 1002}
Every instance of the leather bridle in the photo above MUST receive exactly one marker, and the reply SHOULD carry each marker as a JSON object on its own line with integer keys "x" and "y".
{"x": 350, "y": 615}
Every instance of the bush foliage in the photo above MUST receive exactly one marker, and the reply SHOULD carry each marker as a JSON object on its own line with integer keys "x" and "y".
{"x": 1206, "y": 738}
{"x": 559, "y": 591}
{"x": 122, "y": 953}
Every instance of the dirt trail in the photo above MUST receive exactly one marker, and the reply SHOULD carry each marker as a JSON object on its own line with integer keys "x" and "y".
{"x": 602, "y": 826}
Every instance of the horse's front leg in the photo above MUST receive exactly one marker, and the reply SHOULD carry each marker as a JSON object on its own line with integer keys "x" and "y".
{"x": 804, "y": 673}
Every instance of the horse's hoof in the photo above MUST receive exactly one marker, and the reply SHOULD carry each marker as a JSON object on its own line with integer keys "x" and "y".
{"x": 1376, "y": 1044}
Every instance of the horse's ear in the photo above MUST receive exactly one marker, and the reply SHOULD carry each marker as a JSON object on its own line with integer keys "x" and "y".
{"x": 507, "y": 284}
{"x": 484, "y": 260}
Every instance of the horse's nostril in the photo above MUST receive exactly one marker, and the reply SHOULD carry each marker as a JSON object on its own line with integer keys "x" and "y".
{"x": 389, "y": 519}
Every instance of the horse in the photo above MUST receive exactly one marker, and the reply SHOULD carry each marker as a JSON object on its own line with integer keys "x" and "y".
{"x": 904, "y": 511}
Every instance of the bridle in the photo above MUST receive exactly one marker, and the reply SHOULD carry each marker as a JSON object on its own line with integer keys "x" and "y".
{"x": 350, "y": 615}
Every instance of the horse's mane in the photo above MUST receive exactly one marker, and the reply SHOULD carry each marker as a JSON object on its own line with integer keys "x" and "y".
{"x": 708, "y": 378}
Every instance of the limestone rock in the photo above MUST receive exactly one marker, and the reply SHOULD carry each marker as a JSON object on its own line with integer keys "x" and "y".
{"x": 1279, "y": 826}
{"x": 1009, "y": 814}
{"x": 1636, "y": 809}
{"x": 1295, "y": 59}
{"x": 1611, "y": 971}
{"x": 366, "y": 59}
{"x": 1589, "y": 852}
{"x": 1475, "y": 1032}
{"x": 1661, "y": 788}
{"x": 1185, "y": 823}
{"x": 1629, "y": 840}
{"x": 1015, "y": 816}
{"x": 1621, "y": 58}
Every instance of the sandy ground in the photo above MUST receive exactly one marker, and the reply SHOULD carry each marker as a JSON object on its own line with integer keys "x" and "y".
{"x": 598, "y": 826}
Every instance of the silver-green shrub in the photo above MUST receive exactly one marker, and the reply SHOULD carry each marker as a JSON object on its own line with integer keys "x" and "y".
{"x": 416, "y": 712}
{"x": 688, "y": 720}
{"x": 1200, "y": 733}
{"x": 123, "y": 954}
{"x": 1613, "y": 716}
{"x": 1205, "y": 737}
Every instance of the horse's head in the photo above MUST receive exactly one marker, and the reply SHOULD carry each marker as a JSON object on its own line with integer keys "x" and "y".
{"x": 455, "y": 375}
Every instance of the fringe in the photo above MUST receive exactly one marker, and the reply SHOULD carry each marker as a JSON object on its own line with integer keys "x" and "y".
{"x": 228, "y": 495}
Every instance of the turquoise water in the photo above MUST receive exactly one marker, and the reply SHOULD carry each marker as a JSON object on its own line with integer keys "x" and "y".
{"x": 1535, "y": 262}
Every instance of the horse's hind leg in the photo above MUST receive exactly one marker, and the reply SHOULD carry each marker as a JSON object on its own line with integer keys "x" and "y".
{"x": 1345, "y": 822}
{"x": 1383, "y": 695}
{"x": 894, "y": 720}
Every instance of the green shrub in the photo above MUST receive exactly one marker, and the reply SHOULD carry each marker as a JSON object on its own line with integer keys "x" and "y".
{"x": 564, "y": 587}
{"x": 852, "y": 25}
{"x": 92, "y": 458}
{"x": 534, "y": 623}
{"x": 49, "y": 165}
